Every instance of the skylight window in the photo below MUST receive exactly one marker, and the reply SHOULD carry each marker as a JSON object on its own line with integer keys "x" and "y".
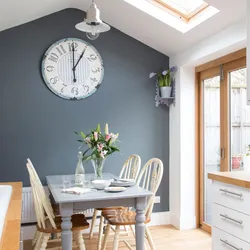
{"x": 182, "y": 15}
{"x": 184, "y": 6}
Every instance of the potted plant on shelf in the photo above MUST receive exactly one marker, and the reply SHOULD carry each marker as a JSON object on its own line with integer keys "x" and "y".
{"x": 165, "y": 80}
{"x": 99, "y": 147}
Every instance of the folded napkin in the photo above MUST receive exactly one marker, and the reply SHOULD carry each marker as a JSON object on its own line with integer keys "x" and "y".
{"x": 76, "y": 190}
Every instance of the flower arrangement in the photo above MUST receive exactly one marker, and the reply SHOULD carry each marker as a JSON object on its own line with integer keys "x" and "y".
{"x": 100, "y": 147}
{"x": 166, "y": 77}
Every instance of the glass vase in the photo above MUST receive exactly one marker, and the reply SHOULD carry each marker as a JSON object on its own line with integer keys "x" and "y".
{"x": 98, "y": 164}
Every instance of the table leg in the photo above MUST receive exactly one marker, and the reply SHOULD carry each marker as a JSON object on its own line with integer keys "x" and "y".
{"x": 140, "y": 219}
{"x": 66, "y": 210}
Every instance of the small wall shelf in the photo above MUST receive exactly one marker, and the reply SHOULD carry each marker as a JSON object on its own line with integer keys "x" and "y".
{"x": 165, "y": 101}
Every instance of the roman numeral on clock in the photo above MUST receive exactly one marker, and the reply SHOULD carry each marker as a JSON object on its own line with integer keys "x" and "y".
{"x": 61, "y": 50}
{"x": 72, "y": 45}
{"x": 54, "y": 57}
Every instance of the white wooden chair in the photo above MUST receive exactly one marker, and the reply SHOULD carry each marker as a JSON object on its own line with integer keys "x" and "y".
{"x": 131, "y": 167}
{"x": 150, "y": 179}
{"x": 47, "y": 222}
{"x": 130, "y": 170}
{"x": 35, "y": 175}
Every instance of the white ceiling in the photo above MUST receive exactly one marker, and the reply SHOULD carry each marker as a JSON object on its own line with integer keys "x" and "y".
{"x": 129, "y": 20}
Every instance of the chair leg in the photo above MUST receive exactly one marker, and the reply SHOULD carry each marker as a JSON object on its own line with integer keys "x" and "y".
{"x": 75, "y": 237}
{"x": 38, "y": 241}
{"x": 116, "y": 239}
{"x": 107, "y": 231}
{"x": 126, "y": 230}
{"x": 35, "y": 238}
{"x": 93, "y": 224}
{"x": 45, "y": 240}
{"x": 100, "y": 233}
{"x": 132, "y": 229}
{"x": 128, "y": 246}
{"x": 80, "y": 241}
{"x": 149, "y": 238}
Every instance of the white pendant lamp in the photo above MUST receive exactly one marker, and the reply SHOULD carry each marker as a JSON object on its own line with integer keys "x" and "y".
{"x": 92, "y": 24}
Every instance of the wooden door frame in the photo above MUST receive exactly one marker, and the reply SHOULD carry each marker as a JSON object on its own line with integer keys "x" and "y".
{"x": 229, "y": 63}
{"x": 206, "y": 74}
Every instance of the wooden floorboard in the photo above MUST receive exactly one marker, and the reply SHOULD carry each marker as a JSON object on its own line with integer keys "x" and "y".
{"x": 165, "y": 238}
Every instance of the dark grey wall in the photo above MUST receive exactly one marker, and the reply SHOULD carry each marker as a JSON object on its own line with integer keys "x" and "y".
{"x": 37, "y": 124}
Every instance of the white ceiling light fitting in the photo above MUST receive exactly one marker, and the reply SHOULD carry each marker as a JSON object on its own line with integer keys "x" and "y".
{"x": 92, "y": 24}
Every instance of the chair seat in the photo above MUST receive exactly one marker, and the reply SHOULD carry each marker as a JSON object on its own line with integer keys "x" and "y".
{"x": 121, "y": 217}
{"x": 79, "y": 222}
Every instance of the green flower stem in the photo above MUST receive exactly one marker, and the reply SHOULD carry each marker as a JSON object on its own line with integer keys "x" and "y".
{"x": 98, "y": 166}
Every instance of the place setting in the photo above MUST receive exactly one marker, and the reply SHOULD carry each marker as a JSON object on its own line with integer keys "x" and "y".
{"x": 111, "y": 186}
{"x": 114, "y": 185}
{"x": 123, "y": 183}
{"x": 107, "y": 186}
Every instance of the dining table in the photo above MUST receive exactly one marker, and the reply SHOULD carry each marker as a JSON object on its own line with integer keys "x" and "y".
{"x": 134, "y": 196}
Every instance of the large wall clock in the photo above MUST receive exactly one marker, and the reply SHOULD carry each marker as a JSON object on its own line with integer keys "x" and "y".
{"x": 72, "y": 69}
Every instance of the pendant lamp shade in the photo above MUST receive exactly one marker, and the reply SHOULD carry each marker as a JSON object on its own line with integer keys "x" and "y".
{"x": 92, "y": 24}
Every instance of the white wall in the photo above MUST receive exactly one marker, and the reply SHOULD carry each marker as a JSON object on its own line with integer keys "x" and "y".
{"x": 182, "y": 120}
{"x": 248, "y": 50}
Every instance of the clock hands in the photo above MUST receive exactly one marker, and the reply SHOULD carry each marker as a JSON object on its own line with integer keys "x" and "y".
{"x": 81, "y": 56}
{"x": 73, "y": 69}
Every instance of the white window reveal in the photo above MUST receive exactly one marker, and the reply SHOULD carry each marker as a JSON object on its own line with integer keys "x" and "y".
{"x": 182, "y": 15}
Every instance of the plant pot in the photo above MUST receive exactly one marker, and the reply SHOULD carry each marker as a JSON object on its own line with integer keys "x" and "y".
{"x": 166, "y": 92}
{"x": 236, "y": 162}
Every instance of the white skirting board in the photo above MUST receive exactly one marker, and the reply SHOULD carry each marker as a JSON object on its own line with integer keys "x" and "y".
{"x": 160, "y": 218}
{"x": 157, "y": 219}
{"x": 182, "y": 223}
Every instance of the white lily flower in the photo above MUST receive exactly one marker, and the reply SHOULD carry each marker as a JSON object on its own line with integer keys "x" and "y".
{"x": 151, "y": 75}
{"x": 114, "y": 137}
{"x": 164, "y": 72}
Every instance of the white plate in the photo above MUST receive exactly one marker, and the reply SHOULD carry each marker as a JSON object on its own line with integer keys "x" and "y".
{"x": 127, "y": 180}
{"x": 115, "y": 189}
{"x": 122, "y": 184}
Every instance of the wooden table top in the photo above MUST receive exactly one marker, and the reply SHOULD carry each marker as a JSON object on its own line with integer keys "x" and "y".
{"x": 12, "y": 228}
{"x": 237, "y": 178}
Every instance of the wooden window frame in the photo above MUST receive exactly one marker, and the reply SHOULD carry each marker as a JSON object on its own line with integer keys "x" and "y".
{"x": 229, "y": 63}
{"x": 186, "y": 18}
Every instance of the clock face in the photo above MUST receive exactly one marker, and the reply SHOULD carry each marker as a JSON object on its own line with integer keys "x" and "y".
{"x": 72, "y": 69}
